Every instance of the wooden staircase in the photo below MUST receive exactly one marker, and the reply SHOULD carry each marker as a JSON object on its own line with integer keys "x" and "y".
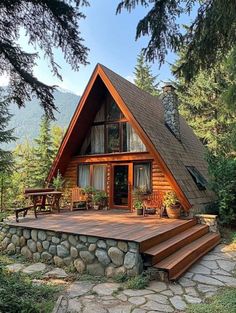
{"x": 176, "y": 251}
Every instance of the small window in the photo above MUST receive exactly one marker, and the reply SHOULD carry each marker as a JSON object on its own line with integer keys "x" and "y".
{"x": 83, "y": 175}
{"x": 99, "y": 177}
{"x": 113, "y": 138}
{"x": 142, "y": 176}
{"x": 197, "y": 177}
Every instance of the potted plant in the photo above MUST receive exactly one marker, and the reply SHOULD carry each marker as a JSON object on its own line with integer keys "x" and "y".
{"x": 138, "y": 205}
{"x": 172, "y": 205}
{"x": 99, "y": 199}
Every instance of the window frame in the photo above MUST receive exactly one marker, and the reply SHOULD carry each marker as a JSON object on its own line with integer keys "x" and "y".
{"x": 91, "y": 165}
{"x": 191, "y": 169}
{"x": 151, "y": 180}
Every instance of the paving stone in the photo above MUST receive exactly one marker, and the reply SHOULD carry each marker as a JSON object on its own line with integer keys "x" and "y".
{"x": 158, "y": 298}
{"x": 188, "y": 275}
{"x": 207, "y": 280}
{"x": 122, "y": 308}
{"x": 94, "y": 308}
{"x": 221, "y": 272}
{"x": 191, "y": 291}
{"x": 168, "y": 293}
{"x": 16, "y": 267}
{"x": 137, "y": 300}
{"x": 137, "y": 293}
{"x": 106, "y": 289}
{"x": 157, "y": 286}
{"x": 229, "y": 281}
{"x": 191, "y": 299}
{"x": 34, "y": 268}
{"x": 56, "y": 273}
{"x": 74, "y": 306}
{"x": 79, "y": 288}
{"x": 139, "y": 311}
{"x": 122, "y": 297}
{"x": 186, "y": 282}
{"x": 177, "y": 289}
{"x": 226, "y": 265}
{"x": 210, "y": 257}
{"x": 206, "y": 288}
{"x": 152, "y": 305}
{"x": 178, "y": 303}
{"x": 200, "y": 269}
{"x": 212, "y": 265}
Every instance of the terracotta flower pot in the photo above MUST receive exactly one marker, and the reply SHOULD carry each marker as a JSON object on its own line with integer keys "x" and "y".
{"x": 139, "y": 211}
{"x": 173, "y": 211}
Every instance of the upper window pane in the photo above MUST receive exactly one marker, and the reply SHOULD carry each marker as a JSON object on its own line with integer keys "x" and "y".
{"x": 113, "y": 112}
{"x": 113, "y": 138}
{"x": 97, "y": 139}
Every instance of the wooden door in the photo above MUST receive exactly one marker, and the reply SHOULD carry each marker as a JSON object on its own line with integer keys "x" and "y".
{"x": 121, "y": 186}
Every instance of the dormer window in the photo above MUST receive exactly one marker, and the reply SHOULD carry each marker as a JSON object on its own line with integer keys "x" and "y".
{"x": 197, "y": 177}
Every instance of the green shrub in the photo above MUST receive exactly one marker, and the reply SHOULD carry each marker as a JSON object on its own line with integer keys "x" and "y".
{"x": 137, "y": 282}
{"x": 224, "y": 302}
{"x": 121, "y": 278}
{"x": 222, "y": 171}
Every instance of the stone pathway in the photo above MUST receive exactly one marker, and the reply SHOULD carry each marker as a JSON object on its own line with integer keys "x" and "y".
{"x": 203, "y": 280}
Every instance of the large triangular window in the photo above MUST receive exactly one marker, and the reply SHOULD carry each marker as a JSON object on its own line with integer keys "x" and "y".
{"x": 110, "y": 132}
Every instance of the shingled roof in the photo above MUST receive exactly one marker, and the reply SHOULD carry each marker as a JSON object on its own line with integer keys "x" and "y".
{"x": 148, "y": 112}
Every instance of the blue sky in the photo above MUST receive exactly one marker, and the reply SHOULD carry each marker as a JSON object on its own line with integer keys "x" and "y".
{"x": 111, "y": 39}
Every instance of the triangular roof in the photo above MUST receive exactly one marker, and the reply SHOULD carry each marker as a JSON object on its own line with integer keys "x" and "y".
{"x": 146, "y": 114}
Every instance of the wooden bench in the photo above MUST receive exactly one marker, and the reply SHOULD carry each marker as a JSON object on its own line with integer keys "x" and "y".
{"x": 78, "y": 196}
{"x": 154, "y": 201}
{"x": 25, "y": 211}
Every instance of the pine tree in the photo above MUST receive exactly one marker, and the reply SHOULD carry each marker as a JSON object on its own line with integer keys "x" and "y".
{"x": 57, "y": 134}
{"x": 143, "y": 76}
{"x": 43, "y": 152}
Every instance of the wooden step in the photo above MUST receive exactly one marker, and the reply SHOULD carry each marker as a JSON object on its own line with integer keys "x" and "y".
{"x": 165, "y": 235}
{"x": 167, "y": 247}
{"x": 177, "y": 263}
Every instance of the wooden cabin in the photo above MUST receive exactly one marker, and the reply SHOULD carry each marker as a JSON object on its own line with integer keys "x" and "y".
{"x": 122, "y": 138}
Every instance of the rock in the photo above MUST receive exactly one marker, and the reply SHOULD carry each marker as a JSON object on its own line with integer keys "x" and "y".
{"x": 79, "y": 288}
{"x": 79, "y": 265}
{"x": 185, "y": 282}
{"x": 12, "y": 230}
{"x": 15, "y": 240}
{"x": 225, "y": 265}
{"x": 66, "y": 244}
{"x": 122, "y": 297}
{"x": 92, "y": 247}
{"x": 80, "y": 247}
{"x": 6, "y": 241}
{"x": 122, "y": 308}
{"x": 191, "y": 291}
{"x": 42, "y": 235}
{"x": 133, "y": 247}
{"x": 55, "y": 240}
{"x": 74, "y": 306}
{"x": 72, "y": 240}
{"x": 102, "y": 256}
{"x": 46, "y": 244}
{"x": 56, "y": 273}
{"x": 39, "y": 246}
{"x": 73, "y": 252}
{"x": 137, "y": 300}
{"x": 95, "y": 269}
{"x": 158, "y": 298}
{"x": 200, "y": 269}
{"x": 36, "y": 256}
{"x": 122, "y": 245}
{"x": 191, "y": 299}
{"x": 11, "y": 249}
{"x": 116, "y": 256}
{"x": 111, "y": 242}
{"x": 32, "y": 245}
{"x": 34, "y": 268}
{"x": 178, "y": 303}
{"x": 52, "y": 249}
{"x": 87, "y": 256}
{"x": 106, "y": 289}
{"x": 64, "y": 236}
{"x": 167, "y": 293}
{"x": 207, "y": 280}
{"x": 101, "y": 244}
{"x": 26, "y": 233}
{"x": 212, "y": 265}
{"x": 19, "y": 231}
{"x": 110, "y": 271}
{"x": 34, "y": 234}
{"x": 177, "y": 289}
{"x": 46, "y": 257}
{"x": 137, "y": 293}
{"x": 120, "y": 270}
{"x": 62, "y": 251}
{"x": 92, "y": 239}
{"x": 67, "y": 260}
{"x": 157, "y": 286}
{"x": 152, "y": 305}
{"x": 16, "y": 267}
{"x": 130, "y": 260}
{"x": 91, "y": 307}
{"x": 58, "y": 261}
{"x": 25, "y": 251}
{"x": 83, "y": 238}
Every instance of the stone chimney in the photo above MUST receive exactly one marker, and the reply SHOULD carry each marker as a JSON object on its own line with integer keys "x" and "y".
{"x": 171, "y": 112}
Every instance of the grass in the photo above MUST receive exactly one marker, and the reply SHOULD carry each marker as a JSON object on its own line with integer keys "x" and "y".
{"x": 137, "y": 282}
{"x": 224, "y": 302}
{"x": 19, "y": 294}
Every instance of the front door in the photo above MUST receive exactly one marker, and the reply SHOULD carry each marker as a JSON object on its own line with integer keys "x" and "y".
{"x": 121, "y": 186}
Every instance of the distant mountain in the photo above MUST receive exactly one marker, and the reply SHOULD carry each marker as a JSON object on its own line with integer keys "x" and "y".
{"x": 26, "y": 120}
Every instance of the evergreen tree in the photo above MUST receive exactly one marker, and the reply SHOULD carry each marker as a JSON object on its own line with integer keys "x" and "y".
{"x": 143, "y": 76}
{"x": 43, "y": 152}
{"x": 208, "y": 37}
{"x": 57, "y": 134}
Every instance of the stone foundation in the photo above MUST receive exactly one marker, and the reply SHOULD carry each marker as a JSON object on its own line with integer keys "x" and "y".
{"x": 210, "y": 220}
{"x": 92, "y": 255}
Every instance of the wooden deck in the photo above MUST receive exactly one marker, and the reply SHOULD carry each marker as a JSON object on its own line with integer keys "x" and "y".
{"x": 113, "y": 224}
